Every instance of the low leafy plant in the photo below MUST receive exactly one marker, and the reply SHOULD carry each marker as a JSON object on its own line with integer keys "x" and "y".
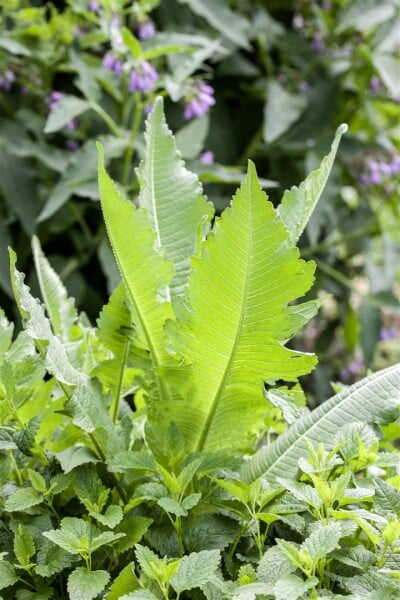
{"x": 168, "y": 451}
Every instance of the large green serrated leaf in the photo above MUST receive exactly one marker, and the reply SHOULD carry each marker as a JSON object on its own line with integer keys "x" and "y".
{"x": 323, "y": 540}
{"x": 374, "y": 399}
{"x": 195, "y": 569}
{"x": 22, "y": 499}
{"x": 173, "y": 198}
{"x": 145, "y": 272}
{"x": 298, "y": 203}
{"x": 236, "y": 322}
{"x": 85, "y": 585}
{"x": 60, "y": 308}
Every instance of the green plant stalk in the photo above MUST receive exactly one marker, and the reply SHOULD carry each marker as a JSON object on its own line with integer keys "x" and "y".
{"x": 17, "y": 471}
{"x": 137, "y": 116}
{"x": 369, "y": 229}
{"x": 107, "y": 119}
{"x": 115, "y": 401}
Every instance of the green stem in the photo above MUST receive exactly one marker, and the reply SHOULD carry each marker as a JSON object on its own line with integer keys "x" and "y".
{"x": 18, "y": 475}
{"x": 137, "y": 117}
{"x": 351, "y": 235}
{"x": 115, "y": 401}
{"x": 107, "y": 119}
{"x": 325, "y": 268}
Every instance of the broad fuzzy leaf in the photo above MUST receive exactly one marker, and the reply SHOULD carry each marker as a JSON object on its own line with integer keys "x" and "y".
{"x": 374, "y": 399}
{"x": 145, "y": 272}
{"x": 298, "y": 203}
{"x": 84, "y": 584}
{"x": 60, "y": 308}
{"x": 173, "y": 198}
{"x": 195, "y": 570}
{"x": 236, "y": 321}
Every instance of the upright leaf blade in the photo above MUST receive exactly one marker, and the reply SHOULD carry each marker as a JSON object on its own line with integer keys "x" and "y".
{"x": 236, "y": 321}
{"x": 173, "y": 198}
{"x": 372, "y": 400}
{"x": 144, "y": 271}
{"x": 298, "y": 203}
{"x": 60, "y": 308}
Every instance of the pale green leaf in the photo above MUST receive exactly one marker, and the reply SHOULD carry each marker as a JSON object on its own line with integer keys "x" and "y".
{"x": 231, "y": 25}
{"x": 173, "y": 198}
{"x": 67, "y": 109}
{"x": 85, "y": 585}
{"x": 323, "y": 540}
{"x": 298, "y": 203}
{"x": 281, "y": 111}
{"x": 6, "y": 333}
{"x": 148, "y": 561}
{"x": 75, "y": 456}
{"x": 293, "y": 587}
{"x": 356, "y": 403}
{"x": 274, "y": 565}
{"x": 171, "y": 506}
{"x": 8, "y": 575}
{"x": 134, "y": 529}
{"x": 387, "y": 497}
{"x": 236, "y": 321}
{"x": 60, "y": 308}
{"x": 195, "y": 570}
{"x": 132, "y": 43}
{"x": 22, "y": 499}
{"x": 24, "y": 546}
{"x": 104, "y": 539}
{"x": 132, "y": 239}
{"x": 67, "y": 540}
{"x": 112, "y": 516}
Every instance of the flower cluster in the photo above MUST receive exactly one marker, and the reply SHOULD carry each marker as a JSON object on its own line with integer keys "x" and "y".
{"x": 199, "y": 100}
{"x": 353, "y": 370}
{"x": 93, "y": 6}
{"x": 53, "y": 99}
{"x": 142, "y": 78}
{"x": 7, "y": 80}
{"x": 378, "y": 171}
{"x": 389, "y": 333}
{"x": 112, "y": 63}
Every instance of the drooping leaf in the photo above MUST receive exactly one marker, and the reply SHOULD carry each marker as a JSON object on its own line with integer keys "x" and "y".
{"x": 235, "y": 323}
{"x": 298, "y": 203}
{"x": 60, "y": 308}
{"x": 282, "y": 109}
{"x": 173, "y": 198}
{"x": 145, "y": 272}
{"x": 356, "y": 403}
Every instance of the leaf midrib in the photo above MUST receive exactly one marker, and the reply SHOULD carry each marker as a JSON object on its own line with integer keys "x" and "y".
{"x": 206, "y": 428}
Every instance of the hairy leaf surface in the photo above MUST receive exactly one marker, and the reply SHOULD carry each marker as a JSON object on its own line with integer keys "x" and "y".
{"x": 236, "y": 320}
{"x": 298, "y": 203}
{"x": 372, "y": 400}
{"x": 173, "y": 198}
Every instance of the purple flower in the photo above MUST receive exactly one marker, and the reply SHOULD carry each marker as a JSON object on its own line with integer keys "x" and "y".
{"x": 146, "y": 30}
{"x": 353, "y": 369}
{"x": 148, "y": 108}
{"x": 387, "y": 334}
{"x": 395, "y": 164}
{"x": 207, "y": 157}
{"x": 53, "y": 100}
{"x": 93, "y": 6}
{"x": 326, "y": 5}
{"x": 199, "y": 101}
{"x": 374, "y": 84}
{"x": 143, "y": 78}
{"x": 7, "y": 80}
{"x": 303, "y": 86}
{"x": 317, "y": 43}
{"x": 112, "y": 63}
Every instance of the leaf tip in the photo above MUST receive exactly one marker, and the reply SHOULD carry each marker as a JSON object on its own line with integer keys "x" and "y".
{"x": 342, "y": 129}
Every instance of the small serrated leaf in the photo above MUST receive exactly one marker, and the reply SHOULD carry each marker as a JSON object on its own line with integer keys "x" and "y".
{"x": 8, "y": 576}
{"x": 85, "y": 585}
{"x": 24, "y": 547}
{"x": 111, "y": 517}
{"x": 293, "y": 587}
{"x": 22, "y": 499}
{"x": 195, "y": 570}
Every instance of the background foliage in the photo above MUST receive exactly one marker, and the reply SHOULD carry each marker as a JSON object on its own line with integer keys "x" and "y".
{"x": 285, "y": 76}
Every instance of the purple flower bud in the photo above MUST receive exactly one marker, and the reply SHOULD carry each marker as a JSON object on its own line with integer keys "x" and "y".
{"x": 71, "y": 125}
{"x": 146, "y": 30}
{"x": 298, "y": 21}
{"x": 72, "y": 145}
{"x": 148, "y": 108}
{"x": 200, "y": 100}
{"x": 53, "y": 100}
{"x": 303, "y": 86}
{"x": 317, "y": 43}
{"x": 7, "y": 80}
{"x": 93, "y": 6}
{"x": 115, "y": 21}
{"x": 385, "y": 168}
{"x": 374, "y": 84}
{"x": 326, "y": 5}
{"x": 375, "y": 178}
{"x": 112, "y": 63}
{"x": 143, "y": 78}
{"x": 207, "y": 157}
